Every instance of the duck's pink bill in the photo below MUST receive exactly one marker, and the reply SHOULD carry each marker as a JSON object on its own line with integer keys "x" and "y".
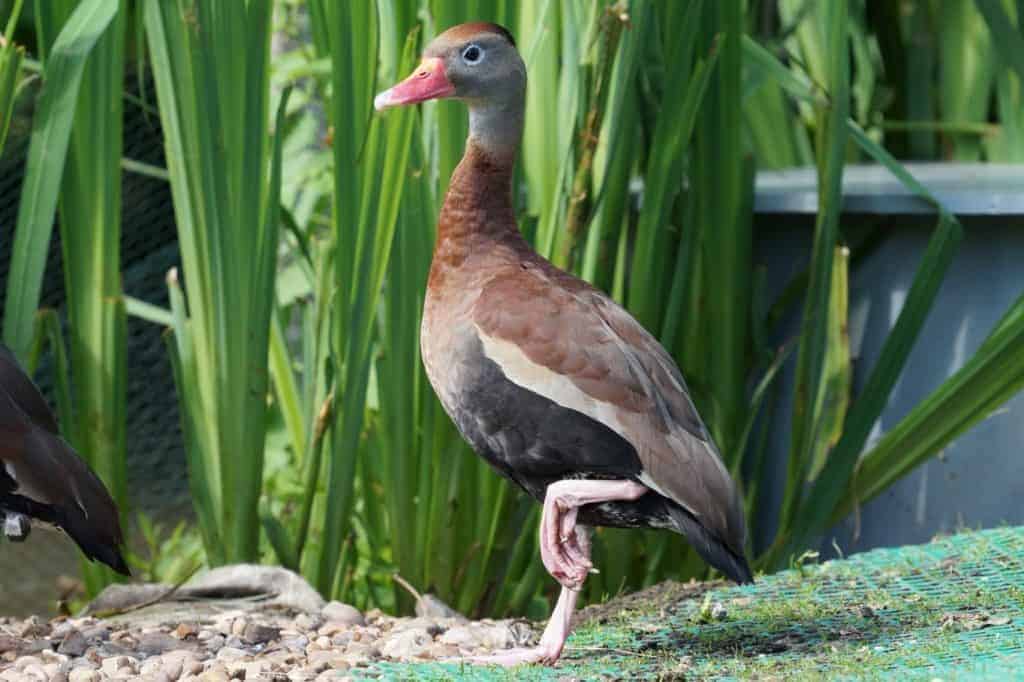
{"x": 428, "y": 81}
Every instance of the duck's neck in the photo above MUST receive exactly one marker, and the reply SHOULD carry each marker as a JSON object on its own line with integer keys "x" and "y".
{"x": 479, "y": 198}
{"x": 496, "y": 126}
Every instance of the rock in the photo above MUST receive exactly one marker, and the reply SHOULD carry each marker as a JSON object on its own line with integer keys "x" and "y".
{"x": 214, "y": 676}
{"x": 281, "y": 588}
{"x": 34, "y": 626}
{"x": 52, "y": 657}
{"x": 73, "y": 644}
{"x": 151, "y": 666}
{"x": 119, "y": 666}
{"x": 214, "y": 643}
{"x": 498, "y": 636}
{"x": 36, "y": 672}
{"x": 322, "y": 660}
{"x": 253, "y": 633}
{"x": 186, "y": 630}
{"x": 440, "y": 651}
{"x": 96, "y": 633}
{"x": 306, "y": 622}
{"x": 119, "y": 597}
{"x": 193, "y": 667}
{"x": 83, "y": 675}
{"x": 238, "y": 626}
{"x": 8, "y": 643}
{"x": 336, "y": 674}
{"x": 463, "y": 636}
{"x": 295, "y": 643}
{"x": 26, "y": 661}
{"x": 406, "y": 644}
{"x": 175, "y": 663}
{"x": 231, "y": 654}
{"x": 341, "y": 639}
{"x": 156, "y": 643}
{"x": 56, "y": 675}
{"x": 338, "y": 612}
{"x": 429, "y": 606}
{"x": 255, "y": 670}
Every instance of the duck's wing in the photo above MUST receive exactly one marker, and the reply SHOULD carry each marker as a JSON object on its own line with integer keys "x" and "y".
{"x": 565, "y": 340}
{"x": 42, "y": 477}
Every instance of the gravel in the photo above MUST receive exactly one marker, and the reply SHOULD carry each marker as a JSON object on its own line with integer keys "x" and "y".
{"x": 246, "y": 643}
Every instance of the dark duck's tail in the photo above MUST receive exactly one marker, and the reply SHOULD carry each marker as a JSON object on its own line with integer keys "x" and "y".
{"x": 43, "y": 479}
{"x": 731, "y": 562}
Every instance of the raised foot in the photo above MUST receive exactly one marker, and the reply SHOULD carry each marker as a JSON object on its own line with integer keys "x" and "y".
{"x": 565, "y": 548}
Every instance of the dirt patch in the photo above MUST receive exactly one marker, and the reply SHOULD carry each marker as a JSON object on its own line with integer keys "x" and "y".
{"x": 653, "y": 599}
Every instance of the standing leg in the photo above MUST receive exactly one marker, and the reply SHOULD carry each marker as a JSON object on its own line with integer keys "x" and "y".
{"x": 565, "y": 550}
{"x": 551, "y": 642}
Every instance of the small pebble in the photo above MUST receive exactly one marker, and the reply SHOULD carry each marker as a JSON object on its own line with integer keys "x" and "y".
{"x": 342, "y": 613}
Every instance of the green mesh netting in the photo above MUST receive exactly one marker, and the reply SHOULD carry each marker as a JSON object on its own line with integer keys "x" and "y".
{"x": 951, "y": 609}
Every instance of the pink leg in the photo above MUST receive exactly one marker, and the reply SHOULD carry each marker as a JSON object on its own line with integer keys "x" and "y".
{"x": 565, "y": 550}
{"x": 559, "y": 547}
{"x": 551, "y": 642}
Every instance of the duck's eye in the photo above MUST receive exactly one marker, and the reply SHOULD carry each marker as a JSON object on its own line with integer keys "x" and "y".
{"x": 473, "y": 55}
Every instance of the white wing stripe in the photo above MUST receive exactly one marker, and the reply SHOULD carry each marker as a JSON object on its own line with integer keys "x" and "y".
{"x": 556, "y": 387}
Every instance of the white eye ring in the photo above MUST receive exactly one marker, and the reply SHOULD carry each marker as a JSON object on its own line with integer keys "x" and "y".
{"x": 473, "y": 54}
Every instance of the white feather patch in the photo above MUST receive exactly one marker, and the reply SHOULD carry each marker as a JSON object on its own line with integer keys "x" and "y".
{"x": 556, "y": 387}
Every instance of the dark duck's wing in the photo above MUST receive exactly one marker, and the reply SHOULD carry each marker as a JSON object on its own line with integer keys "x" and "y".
{"x": 41, "y": 477}
{"x": 577, "y": 350}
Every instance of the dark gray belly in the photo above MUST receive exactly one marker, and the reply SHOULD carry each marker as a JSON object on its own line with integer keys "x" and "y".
{"x": 534, "y": 441}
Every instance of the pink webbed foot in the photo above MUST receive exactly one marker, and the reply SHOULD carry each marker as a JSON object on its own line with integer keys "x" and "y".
{"x": 512, "y": 657}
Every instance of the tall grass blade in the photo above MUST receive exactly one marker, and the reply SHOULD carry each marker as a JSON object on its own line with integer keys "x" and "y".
{"x": 51, "y": 131}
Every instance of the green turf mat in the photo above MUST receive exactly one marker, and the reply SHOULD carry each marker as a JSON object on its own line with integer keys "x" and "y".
{"x": 952, "y": 609}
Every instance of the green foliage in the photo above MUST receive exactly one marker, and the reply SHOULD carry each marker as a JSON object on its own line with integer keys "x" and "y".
{"x": 165, "y": 556}
{"x": 210, "y": 63}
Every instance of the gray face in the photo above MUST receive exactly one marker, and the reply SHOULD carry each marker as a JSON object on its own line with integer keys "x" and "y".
{"x": 484, "y": 67}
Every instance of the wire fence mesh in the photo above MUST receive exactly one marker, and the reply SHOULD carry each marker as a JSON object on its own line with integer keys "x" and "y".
{"x": 950, "y": 609}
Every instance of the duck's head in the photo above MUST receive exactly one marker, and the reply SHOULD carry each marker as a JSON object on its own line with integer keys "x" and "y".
{"x": 479, "y": 64}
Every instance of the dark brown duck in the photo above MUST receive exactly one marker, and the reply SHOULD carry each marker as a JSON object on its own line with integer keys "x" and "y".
{"x": 43, "y": 480}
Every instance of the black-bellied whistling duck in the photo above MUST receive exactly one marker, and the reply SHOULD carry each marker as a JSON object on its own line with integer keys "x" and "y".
{"x": 43, "y": 479}
{"x": 552, "y": 382}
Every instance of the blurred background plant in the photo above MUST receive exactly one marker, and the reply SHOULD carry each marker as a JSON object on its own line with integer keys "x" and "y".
{"x": 306, "y": 225}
